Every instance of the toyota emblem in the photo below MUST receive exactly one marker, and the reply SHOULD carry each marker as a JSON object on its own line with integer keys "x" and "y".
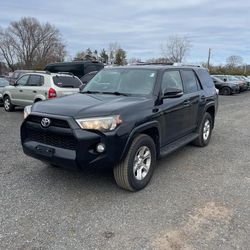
{"x": 45, "y": 122}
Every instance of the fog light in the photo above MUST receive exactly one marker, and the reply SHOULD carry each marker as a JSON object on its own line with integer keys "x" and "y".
{"x": 100, "y": 148}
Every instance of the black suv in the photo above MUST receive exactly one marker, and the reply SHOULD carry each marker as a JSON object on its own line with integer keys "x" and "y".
{"x": 126, "y": 117}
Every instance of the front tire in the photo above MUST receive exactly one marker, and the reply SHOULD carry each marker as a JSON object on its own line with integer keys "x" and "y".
{"x": 136, "y": 169}
{"x": 205, "y": 131}
{"x": 7, "y": 104}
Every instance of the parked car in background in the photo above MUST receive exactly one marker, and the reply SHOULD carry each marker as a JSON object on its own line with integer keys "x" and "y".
{"x": 125, "y": 118}
{"x": 86, "y": 78}
{"x": 79, "y": 69}
{"x": 226, "y": 88}
{"x": 39, "y": 86}
{"x": 3, "y": 84}
{"x": 228, "y": 78}
{"x": 244, "y": 78}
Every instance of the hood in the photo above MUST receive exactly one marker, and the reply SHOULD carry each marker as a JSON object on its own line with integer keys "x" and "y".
{"x": 88, "y": 105}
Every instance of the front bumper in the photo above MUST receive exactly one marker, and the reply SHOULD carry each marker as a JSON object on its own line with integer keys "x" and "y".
{"x": 69, "y": 146}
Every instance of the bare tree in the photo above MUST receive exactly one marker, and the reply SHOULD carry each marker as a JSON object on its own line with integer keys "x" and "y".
{"x": 7, "y": 50}
{"x": 31, "y": 44}
{"x": 176, "y": 48}
{"x": 234, "y": 61}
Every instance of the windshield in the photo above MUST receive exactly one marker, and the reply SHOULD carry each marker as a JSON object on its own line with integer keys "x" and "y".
{"x": 126, "y": 81}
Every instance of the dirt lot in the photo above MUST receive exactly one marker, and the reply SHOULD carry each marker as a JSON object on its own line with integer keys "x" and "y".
{"x": 199, "y": 198}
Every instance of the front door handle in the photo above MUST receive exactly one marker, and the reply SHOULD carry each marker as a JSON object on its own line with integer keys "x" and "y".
{"x": 34, "y": 91}
{"x": 20, "y": 90}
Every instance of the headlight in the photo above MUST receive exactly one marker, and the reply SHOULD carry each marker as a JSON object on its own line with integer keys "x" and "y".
{"x": 102, "y": 124}
{"x": 27, "y": 111}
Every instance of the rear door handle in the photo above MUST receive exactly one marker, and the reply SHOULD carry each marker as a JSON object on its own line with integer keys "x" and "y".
{"x": 186, "y": 103}
{"x": 20, "y": 90}
{"x": 34, "y": 91}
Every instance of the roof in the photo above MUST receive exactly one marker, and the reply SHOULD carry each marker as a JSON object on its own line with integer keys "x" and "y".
{"x": 157, "y": 66}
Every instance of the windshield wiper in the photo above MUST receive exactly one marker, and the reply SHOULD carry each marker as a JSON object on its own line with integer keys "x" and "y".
{"x": 91, "y": 92}
{"x": 115, "y": 93}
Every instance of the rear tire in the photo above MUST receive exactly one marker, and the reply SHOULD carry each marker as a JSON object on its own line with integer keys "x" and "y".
{"x": 204, "y": 131}
{"x": 226, "y": 91}
{"x": 135, "y": 171}
{"x": 7, "y": 104}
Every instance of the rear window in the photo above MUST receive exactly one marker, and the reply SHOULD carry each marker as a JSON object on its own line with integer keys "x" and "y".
{"x": 205, "y": 78}
{"x": 66, "y": 82}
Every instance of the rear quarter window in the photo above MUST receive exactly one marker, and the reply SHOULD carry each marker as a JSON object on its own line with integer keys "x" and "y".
{"x": 66, "y": 82}
{"x": 205, "y": 78}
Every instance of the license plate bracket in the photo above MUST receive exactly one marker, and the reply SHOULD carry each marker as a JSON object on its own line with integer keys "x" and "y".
{"x": 45, "y": 151}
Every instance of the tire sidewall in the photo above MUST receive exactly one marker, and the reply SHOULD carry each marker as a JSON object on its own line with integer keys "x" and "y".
{"x": 206, "y": 117}
{"x": 7, "y": 98}
{"x": 144, "y": 141}
{"x": 226, "y": 91}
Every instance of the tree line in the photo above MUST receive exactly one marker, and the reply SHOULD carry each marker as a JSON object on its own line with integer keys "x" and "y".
{"x": 113, "y": 55}
{"x": 29, "y": 44}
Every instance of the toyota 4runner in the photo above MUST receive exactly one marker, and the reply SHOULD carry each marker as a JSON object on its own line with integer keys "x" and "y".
{"x": 126, "y": 117}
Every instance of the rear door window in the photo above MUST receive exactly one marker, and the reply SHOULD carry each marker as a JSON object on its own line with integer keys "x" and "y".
{"x": 35, "y": 80}
{"x": 190, "y": 81}
{"x": 66, "y": 82}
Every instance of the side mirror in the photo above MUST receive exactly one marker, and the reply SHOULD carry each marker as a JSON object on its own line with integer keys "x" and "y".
{"x": 15, "y": 83}
{"x": 225, "y": 79}
{"x": 172, "y": 93}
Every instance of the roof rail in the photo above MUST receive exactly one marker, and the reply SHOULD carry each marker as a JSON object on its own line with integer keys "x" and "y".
{"x": 153, "y": 63}
{"x": 37, "y": 71}
{"x": 188, "y": 65}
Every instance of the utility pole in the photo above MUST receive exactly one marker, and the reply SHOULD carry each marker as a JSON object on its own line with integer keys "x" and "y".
{"x": 209, "y": 56}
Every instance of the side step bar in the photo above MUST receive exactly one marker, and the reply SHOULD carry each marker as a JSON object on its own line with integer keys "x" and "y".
{"x": 166, "y": 150}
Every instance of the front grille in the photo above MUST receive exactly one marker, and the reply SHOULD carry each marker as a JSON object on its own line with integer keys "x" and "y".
{"x": 54, "y": 122}
{"x": 60, "y": 141}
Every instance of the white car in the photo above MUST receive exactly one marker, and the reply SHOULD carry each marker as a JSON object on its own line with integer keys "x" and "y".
{"x": 39, "y": 86}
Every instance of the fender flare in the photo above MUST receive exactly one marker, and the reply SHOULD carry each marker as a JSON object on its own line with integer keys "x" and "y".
{"x": 138, "y": 130}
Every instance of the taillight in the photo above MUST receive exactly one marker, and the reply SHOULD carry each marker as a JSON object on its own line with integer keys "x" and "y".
{"x": 52, "y": 93}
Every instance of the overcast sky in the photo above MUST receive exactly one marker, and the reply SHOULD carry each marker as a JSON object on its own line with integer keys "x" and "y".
{"x": 141, "y": 26}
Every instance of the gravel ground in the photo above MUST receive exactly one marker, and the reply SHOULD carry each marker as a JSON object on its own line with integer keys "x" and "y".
{"x": 199, "y": 198}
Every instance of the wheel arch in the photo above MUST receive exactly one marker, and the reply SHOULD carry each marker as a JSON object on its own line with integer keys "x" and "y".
{"x": 39, "y": 98}
{"x": 151, "y": 129}
{"x": 211, "y": 110}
